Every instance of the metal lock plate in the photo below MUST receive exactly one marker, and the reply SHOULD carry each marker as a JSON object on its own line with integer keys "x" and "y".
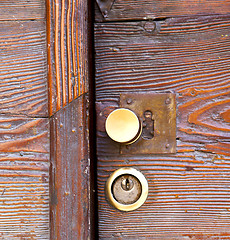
{"x": 157, "y": 112}
{"x": 105, "y": 6}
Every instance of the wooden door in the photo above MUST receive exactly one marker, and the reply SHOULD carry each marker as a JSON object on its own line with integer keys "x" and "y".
{"x": 46, "y": 151}
{"x": 159, "y": 46}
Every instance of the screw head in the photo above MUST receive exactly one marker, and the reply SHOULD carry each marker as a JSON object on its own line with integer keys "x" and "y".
{"x": 105, "y": 13}
{"x": 129, "y": 101}
{"x": 150, "y": 26}
{"x": 168, "y": 101}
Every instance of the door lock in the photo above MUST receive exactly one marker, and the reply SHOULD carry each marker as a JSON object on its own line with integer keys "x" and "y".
{"x": 126, "y": 189}
{"x": 144, "y": 123}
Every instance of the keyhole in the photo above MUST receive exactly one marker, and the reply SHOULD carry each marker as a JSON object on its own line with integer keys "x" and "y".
{"x": 126, "y": 189}
{"x": 127, "y": 184}
{"x": 148, "y": 125}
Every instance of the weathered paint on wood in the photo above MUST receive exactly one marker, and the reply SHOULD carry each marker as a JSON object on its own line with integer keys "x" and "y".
{"x": 67, "y": 37}
{"x": 23, "y": 68}
{"x": 188, "y": 191}
{"x": 24, "y": 178}
{"x": 70, "y": 173}
{"x": 152, "y": 9}
{"x": 22, "y": 9}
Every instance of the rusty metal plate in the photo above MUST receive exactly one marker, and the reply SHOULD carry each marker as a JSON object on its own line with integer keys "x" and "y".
{"x": 105, "y": 6}
{"x": 157, "y": 112}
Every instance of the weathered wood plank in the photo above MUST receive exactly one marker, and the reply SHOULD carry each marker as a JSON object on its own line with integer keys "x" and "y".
{"x": 22, "y": 9}
{"x": 70, "y": 173}
{"x": 189, "y": 190}
{"x": 182, "y": 55}
{"x": 24, "y": 178}
{"x": 68, "y": 51}
{"x": 24, "y": 141}
{"x": 185, "y": 200}
{"x": 152, "y": 9}
{"x": 23, "y": 68}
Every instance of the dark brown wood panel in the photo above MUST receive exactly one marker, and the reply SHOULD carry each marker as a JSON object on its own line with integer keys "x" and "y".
{"x": 70, "y": 172}
{"x": 24, "y": 178}
{"x": 67, "y": 36}
{"x": 188, "y": 191}
{"x": 151, "y": 9}
{"x": 69, "y": 55}
{"x": 22, "y": 9}
{"x": 23, "y": 68}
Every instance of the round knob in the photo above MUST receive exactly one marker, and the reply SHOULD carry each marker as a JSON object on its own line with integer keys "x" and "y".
{"x": 123, "y": 126}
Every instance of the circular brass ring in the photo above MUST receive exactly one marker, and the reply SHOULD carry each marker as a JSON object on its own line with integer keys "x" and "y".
{"x": 144, "y": 189}
{"x": 123, "y": 126}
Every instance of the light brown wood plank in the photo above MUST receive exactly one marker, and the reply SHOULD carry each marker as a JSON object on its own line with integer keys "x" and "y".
{"x": 188, "y": 191}
{"x": 68, "y": 51}
{"x": 22, "y": 9}
{"x": 24, "y": 178}
{"x": 23, "y": 68}
{"x": 24, "y": 141}
{"x": 151, "y": 9}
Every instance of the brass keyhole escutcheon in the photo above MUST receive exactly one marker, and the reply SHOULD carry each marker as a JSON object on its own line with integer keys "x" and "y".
{"x": 126, "y": 189}
{"x": 123, "y": 126}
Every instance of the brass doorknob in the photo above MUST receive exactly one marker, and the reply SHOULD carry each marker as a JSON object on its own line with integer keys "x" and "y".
{"x": 123, "y": 126}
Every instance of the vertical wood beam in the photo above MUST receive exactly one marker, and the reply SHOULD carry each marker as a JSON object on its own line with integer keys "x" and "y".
{"x": 67, "y": 38}
{"x": 69, "y": 71}
{"x": 69, "y": 176}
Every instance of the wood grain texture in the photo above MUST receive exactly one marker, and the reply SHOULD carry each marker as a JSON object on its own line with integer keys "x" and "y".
{"x": 22, "y": 9}
{"x": 152, "y": 9}
{"x": 67, "y": 37}
{"x": 23, "y": 68}
{"x": 70, "y": 173}
{"x": 24, "y": 178}
{"x": 24, "y": 135}
{"x": 188, "y": 191}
